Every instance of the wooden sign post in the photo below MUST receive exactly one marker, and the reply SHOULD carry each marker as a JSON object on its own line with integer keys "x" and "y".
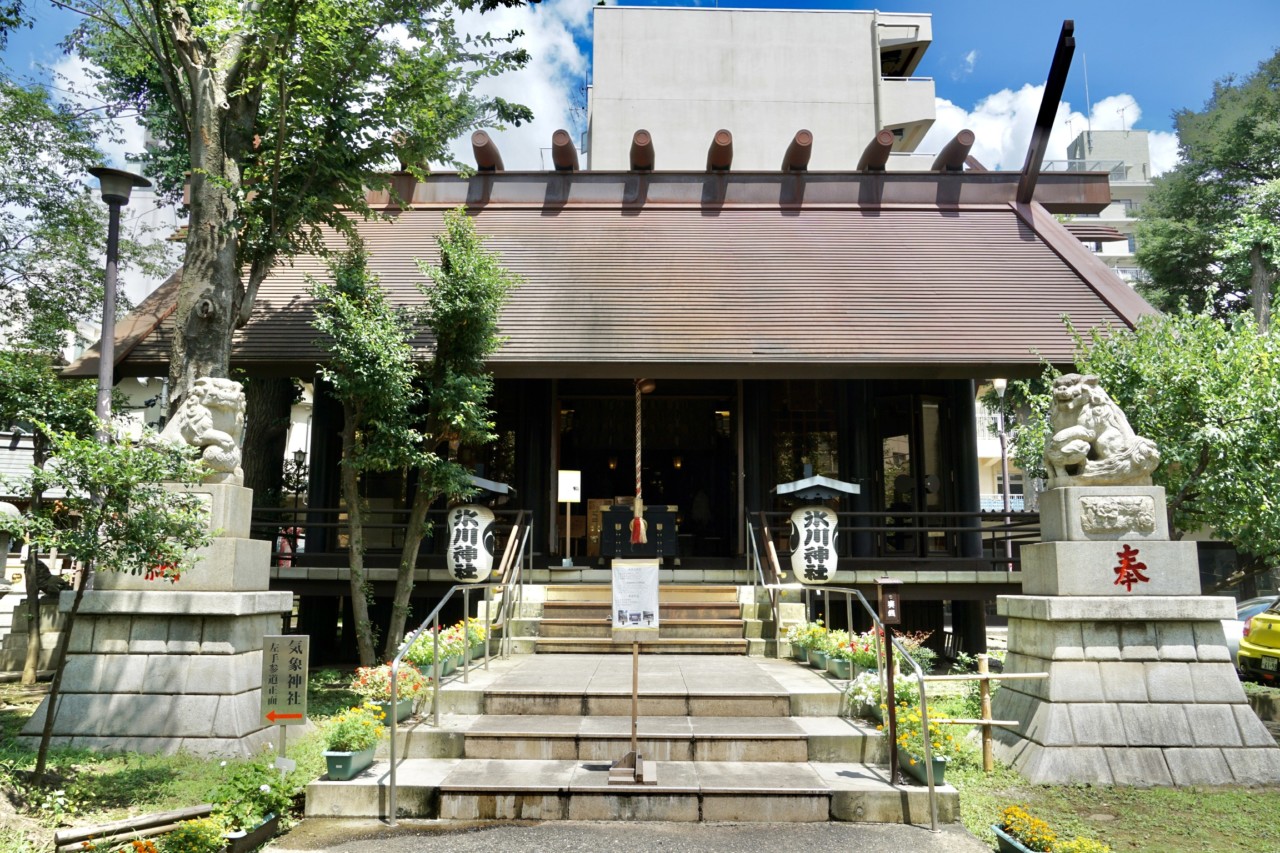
{"x": 635, "y": 618}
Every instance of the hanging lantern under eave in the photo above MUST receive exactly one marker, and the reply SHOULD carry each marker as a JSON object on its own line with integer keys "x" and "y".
{"x": 813, "y": 544}
{"x": 471, "y": 543}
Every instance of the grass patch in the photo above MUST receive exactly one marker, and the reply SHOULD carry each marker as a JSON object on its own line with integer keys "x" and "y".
{"x": 91, "y": 788}
{"x": 1128, "y": 819}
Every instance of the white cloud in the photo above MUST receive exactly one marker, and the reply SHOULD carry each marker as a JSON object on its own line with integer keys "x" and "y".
{"x": 75, "y": 83}
{"x": 549, "y": 85}
{"x": 967, "y": 65}
{"x": 1002, "y": 125}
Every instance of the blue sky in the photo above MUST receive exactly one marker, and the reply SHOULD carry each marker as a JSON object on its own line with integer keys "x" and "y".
{"x": 1145, "y": 58}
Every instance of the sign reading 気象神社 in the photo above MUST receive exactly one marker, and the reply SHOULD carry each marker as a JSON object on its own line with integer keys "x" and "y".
{"x": 635, "y": 600}
{"x": 284, "y": 679}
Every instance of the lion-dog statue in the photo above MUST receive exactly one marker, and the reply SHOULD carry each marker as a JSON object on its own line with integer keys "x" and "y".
{"x": 212, "y": 418}
{"x": 1090, "y": 441}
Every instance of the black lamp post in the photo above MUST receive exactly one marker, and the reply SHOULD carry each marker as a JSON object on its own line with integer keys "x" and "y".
{"x": 116, "y": 185}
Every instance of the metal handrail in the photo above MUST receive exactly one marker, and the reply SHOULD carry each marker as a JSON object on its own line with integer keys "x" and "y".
{"x": 758, "y": 563}
{"x": 848, "y": 592}
{"x": 433, "y": 619}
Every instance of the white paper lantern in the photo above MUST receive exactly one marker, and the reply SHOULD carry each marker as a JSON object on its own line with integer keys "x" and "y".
{"x": 471, "y": 543}
{"x": 813, "y": 544}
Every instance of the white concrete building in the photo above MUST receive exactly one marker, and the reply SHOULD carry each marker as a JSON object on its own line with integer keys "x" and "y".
{"x": 683, "y": 73}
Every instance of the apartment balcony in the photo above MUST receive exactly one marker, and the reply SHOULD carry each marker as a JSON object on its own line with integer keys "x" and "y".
{"x": 907, "y": 104}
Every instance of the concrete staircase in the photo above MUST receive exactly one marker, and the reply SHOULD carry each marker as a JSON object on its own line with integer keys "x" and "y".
{"x": 694, "y": 619}
{"x": 735, "y": 738}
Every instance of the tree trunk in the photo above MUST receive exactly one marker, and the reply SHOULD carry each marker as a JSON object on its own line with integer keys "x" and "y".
{"x": 31, "y": 666}
{"x": 1260, "y": 282}
{"x": 59, "y": 664}
{"x": 422, "y": 501}
{"x": 355, "y": 542}
{"x": 208, "y": 299}
{"x": 266, "y": 429}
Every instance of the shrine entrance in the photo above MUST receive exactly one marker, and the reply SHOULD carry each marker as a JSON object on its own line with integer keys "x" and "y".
{"x": 689, "y": 458}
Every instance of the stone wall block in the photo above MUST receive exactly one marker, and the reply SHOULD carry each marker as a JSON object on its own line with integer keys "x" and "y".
{"x": 1252, "y": 731}
{"x": 82, "y": 670}
{"x": 78, "y": 714}
{"x": 1211, "y": 643}
{"x": 111, "y": 634}
{"x": 1217, "y": 682}
{"x": 1104, "y": 513}
{"x": 1091, "y": 569}
{"x": 1066, "y": 764}
{"x": 160, "y": 715}
{"x": 1101, "y": 640}
{"x": 1141, "y": 768}
{"x": 1177, "y": 641}
{"x": 225, "y": 674}
{"x": 1169, "y": 681}
{"x": 1213, "y": 725}
{"x": 149, "y": 635}
{"x": 1204, "y": 766}
{"x": 185, "y": 635}
{"x": 1138, "y": 641}
{"x": 122, "y": 673}
{"x": 238, "y": 713}
{"x": 1253, "y": 766}
{"x": 81, "y": 637}
{"x": 234, "y": 636}
{"x": 1156, "y": 725}
{"x": 169, "y": 674}
{"x": 1050, "y": 724}
{"x": 1123, "y": 681}
{"x": 1074, "y": 681}
{"x": 1097, "y": 725}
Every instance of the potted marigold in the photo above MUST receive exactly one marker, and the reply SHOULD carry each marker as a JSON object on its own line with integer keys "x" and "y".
{"x": 851, "y": 654}
{"x": 911, "y": 736}
{"x": 1019, "y": 832}
{"x": 350, "y": 738}
{"x": 373, "y": 684}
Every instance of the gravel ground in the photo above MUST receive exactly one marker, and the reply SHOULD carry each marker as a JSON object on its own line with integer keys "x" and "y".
{"x": 366, "y": 836}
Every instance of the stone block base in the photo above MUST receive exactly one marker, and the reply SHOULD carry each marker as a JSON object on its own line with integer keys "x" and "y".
{"x": 1140, "y": 692}
{"x": 163, "y": 671}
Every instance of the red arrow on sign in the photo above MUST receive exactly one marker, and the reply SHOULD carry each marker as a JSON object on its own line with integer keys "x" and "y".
{"x": 273, "y": 716}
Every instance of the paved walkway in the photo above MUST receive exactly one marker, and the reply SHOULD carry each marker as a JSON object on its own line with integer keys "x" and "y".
{"x": 367, "y": 836}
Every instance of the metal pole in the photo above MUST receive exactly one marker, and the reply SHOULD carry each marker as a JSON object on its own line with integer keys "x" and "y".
{"x": 1004, "y": 474}
{"x": 635, "y": 698}
{"x": 466, "y": 635}
{"x": 391, "y": 798}
{"x": 107, "y": 348}
{"x": 435, "y": 657}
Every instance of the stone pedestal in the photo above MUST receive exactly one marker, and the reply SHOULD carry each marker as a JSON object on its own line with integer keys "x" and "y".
{"x": 1141, "y": 687}
{"x": 154, "y": 666}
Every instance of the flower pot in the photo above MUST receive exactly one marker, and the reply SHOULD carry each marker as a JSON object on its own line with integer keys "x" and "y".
{"x": 1006, "y": 843}
{"x": 449, "y": 666}
{"x": 914, "y": 766}
{"x": 817, "y": 659}
{"x": 477, "y": 651}
{"x": 241, "y": 841}
{"x": 841, "y": 668}
{"x": 404, "y": 707}
{"x": 799, "y": 653}
{"x": 345, "y": 765}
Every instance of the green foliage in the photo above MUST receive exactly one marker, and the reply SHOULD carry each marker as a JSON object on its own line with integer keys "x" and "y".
{"x": 203, "y": 835}
{"x": 52, "y": 227}
{"x": 1207, "y": 391}
{"x": 354, "y": 729}
{"x": 124, "y": 519}
{"x": 251, "y": 791}
{"x": 371, "y": 369}
{"x": 1202, "y": 216}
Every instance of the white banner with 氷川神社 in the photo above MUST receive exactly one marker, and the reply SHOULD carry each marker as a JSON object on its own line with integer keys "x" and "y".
{"x": 635, "y": 600}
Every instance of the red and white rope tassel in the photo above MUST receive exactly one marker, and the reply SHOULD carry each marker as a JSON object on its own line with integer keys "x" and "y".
{"x": 639, "y": 534}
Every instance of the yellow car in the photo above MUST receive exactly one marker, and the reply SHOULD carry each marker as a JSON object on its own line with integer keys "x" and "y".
{"x": 1260, "y": 646}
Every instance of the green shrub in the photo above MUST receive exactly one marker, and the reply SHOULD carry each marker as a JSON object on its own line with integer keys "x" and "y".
{"x": 354, "y": 729}
{"x": 250, "y": 792}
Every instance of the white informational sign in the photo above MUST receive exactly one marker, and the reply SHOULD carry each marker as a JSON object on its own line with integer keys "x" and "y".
{"x": 635, "y": 600}
{"x": 471, "y": 543}
{"x": 813, "y": 544}
{"x": 284, "y": 679}
{"x": 570, "y": 487}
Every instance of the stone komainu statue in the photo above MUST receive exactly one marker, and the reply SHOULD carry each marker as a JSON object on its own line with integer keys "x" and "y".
{"x": 1090, "y": 441}
{"x": 212, "y": 418}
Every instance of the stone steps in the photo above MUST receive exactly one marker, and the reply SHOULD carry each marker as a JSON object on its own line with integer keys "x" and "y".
{"x": 678, "y": 610}
{"x": 661, "y": 646}
{"x": 498, "y": 789}
{"x": 668, "y": 593}
{"x": 602, "y": 628}
{"x": 732, "y": 739}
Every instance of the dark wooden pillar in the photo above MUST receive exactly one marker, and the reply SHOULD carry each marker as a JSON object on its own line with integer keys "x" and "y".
{"x": 965, "y": 454}
{"x": 969, "y": 622}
